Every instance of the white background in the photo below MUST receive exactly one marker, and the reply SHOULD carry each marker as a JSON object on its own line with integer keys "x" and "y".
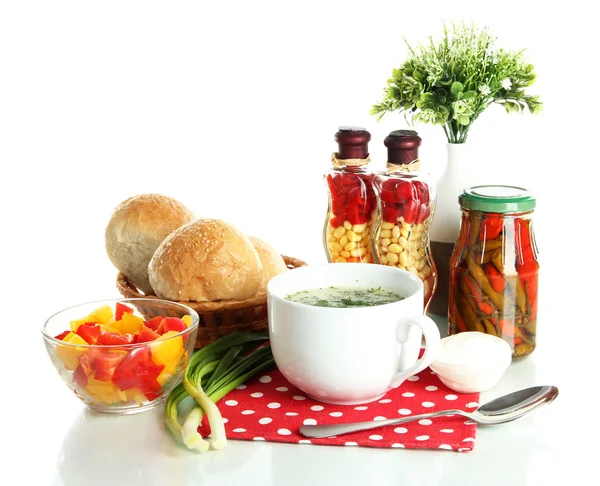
{"x": 231, "y": 108}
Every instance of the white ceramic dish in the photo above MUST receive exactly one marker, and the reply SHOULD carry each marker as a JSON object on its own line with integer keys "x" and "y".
{"x": 349, "y": 355}
{"x": 472, "y": 362}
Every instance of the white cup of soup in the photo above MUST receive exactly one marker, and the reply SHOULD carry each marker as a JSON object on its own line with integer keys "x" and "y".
{"x": 347, "y": 333}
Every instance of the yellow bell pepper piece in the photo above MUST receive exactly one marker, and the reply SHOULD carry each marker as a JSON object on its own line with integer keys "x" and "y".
{"x": 115, "y": 326}
{"x": 134, "y": 395}
{"x": 131, "y": 324}
{"x": 105, "y": 391}
{"x": 167, "y": 351}
{"x": 70, "y": 355}
{"x": 102, "y": 315}
{"x": 167, "y": 373}
{"x": 74, "y": 325}
{"x": 112, "y": 327}
{"x": 187, "y": 319}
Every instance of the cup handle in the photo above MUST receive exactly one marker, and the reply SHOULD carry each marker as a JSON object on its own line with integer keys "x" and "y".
{"x": 432, "y": 346}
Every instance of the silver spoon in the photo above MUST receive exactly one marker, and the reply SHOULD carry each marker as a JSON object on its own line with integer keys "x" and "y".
{"x": 498, "y": 411}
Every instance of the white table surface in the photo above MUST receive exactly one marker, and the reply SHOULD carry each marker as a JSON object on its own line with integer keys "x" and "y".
{"x": 72, "y": 446}
{"x": 105, "y": 100}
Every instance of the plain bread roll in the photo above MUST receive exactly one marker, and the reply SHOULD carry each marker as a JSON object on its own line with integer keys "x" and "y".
{"x": 272, "y": 262}
{"x": 136, "y": 228}
{"x": 204, "y": 261}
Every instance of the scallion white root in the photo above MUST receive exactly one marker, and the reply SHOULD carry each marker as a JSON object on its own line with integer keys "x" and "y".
{"x": 189, "y": 432}
{"x": 212, "y": 372}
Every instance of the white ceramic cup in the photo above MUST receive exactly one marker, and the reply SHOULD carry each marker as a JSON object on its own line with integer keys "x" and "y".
{"x": 348, "y": 356}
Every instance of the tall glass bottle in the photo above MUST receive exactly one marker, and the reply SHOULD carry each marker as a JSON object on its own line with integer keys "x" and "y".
{"x": 406, "y": 204}
{"x": 352, "y": 202}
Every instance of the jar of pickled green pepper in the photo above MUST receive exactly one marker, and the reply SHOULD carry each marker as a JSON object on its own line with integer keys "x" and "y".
{"x": 494, "y": 267}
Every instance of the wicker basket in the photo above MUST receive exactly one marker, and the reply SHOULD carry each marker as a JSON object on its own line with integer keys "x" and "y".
{"x": 218, "y": 319}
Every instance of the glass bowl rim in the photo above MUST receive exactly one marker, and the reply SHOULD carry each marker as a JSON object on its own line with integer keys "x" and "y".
{"x": 193, "y": 326}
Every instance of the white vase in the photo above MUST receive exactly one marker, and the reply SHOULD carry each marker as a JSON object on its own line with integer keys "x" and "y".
{"x": 461, "y": 171}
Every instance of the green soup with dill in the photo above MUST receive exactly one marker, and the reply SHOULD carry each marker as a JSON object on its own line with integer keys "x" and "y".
{"x": 344, "y": 297}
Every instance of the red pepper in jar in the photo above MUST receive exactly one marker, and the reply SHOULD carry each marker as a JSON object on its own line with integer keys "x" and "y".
{"x": 409, "y": 211}
{"x": 422, "y": 191}
{"x": 405, "y": 192}
{"x": 523, "y": 243}
{"x": 494, "y": 277}
{"x": 490, "y": 227}
{"x": 352, "y": 201}
{"x": 403, "y": 223}
{"x": 388, "y": 197}
{"x": 391, "y": 213}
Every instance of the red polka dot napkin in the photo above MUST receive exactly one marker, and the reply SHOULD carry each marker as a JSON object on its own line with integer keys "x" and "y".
{"x": 269, "y": 408}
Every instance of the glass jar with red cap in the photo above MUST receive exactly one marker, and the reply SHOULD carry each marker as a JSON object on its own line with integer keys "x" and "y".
{"x": 352, "y": 202}
{"x": 406, "y": 204}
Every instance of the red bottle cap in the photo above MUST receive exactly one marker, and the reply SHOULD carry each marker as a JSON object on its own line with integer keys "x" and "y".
{"x": 403, "y": 146}
{"x": 353, "y": 142}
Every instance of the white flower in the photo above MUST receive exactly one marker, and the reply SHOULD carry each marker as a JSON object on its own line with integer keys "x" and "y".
{"x": 427, "y": 116}
{"x": 462, "y": 108}
{"x": 506, "y": 84}
{"x": 485, "y": 89}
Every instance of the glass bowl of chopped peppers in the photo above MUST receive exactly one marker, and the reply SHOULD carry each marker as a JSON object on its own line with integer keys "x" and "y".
{"x": 121, "y": 356}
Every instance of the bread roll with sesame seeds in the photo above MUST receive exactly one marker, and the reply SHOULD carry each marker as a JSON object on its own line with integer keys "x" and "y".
{"x": 205, "y": 260}
{"x": 136, "y": 227}
{"x": 272, "y": 261}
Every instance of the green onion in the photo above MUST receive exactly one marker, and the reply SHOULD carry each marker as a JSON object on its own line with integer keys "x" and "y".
{"x": 212, "y": 373}
{"x": 189, "y": 432}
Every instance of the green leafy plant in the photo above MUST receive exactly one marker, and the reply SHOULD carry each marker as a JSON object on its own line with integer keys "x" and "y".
{"x": 451, "y": 81}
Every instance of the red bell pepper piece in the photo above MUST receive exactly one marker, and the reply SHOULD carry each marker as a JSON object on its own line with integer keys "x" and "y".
{"x": 62, "y": 335}
{"x": 356, "y": 193}
{"x": 409, "y": 211}
{"x": 336, "y": 221}
{"x": 405, "y": 192}
{"x": 147, "y": 335}
{"x": 338, "y": 204}
{"x": 151, "y": 389}
{"x": 120, "y": 310}
{"x": 105, "y": 362}
{"x": 137, "y": 369}
{"x": 372, "y": 200}
{"x": 389, "y": 197}
{"x": 330, "y": 184}
{"x": 357, "y": 216}
{"x": 391, "y": 213}
{"x": 114, "y": 338}
{"x": 153, "y": 323}
{"x": 350, "y": 180}
{"x": 422, "y": 190}
{"x": 391, "y": 184}
{"x": 80, "y": 378}
{"x": 336, "y": 180}
{"x": 89, "y": 332}
{"x": 357, "y": 212}
{"x": 86, "y": 362}
{"x": 174, "y": 324}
